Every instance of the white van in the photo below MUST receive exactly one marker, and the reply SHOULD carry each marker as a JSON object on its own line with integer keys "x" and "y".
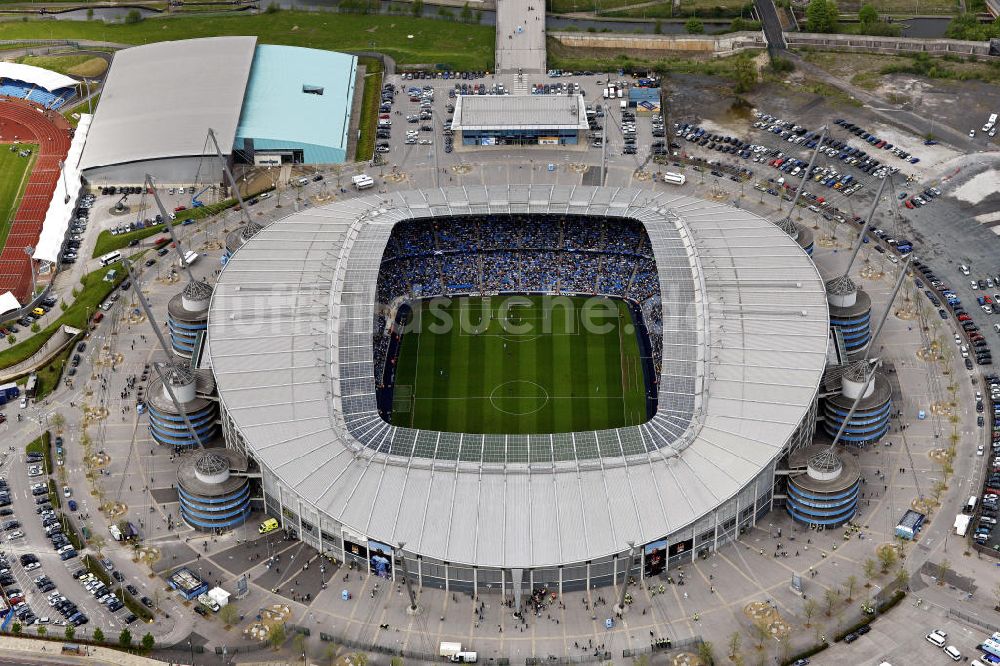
{"x": 301, "y": 181}
{"x": 936, "y": 638}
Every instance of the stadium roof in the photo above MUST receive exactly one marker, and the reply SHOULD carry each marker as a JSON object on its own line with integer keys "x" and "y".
{"x": 745, "y": 340}
{"x": 160, "y": 99}
{"x": 542, "y": 112}
{"x": 299, "y": 96}
{"x": 44, "y": 78}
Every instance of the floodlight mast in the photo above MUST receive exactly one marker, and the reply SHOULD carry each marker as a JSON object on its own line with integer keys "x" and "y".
{"x": 892, "y": 299}
{"x": 169, "y": 224}
{"x": 864, "y": 229}
{"x": 229, "y": 175}
{"x": 870, "y": 372}
{"x": 805, "y": 175}
{"x": 166, "y": 350}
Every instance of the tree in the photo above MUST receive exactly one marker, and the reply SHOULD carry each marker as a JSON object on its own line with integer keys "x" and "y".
{"x": 90, "y": 14}
{"x": 42, "y": 631}
{"x": 658, "y": 27}
{"x": 62, "y": 304}
{"x": 417, "y": 8}
{"x": 35, "y": 327}
{"x": 694, "y": 26}
{"x": 148, "y": 642}
{"x": 809, "y": 610}
{"x": 396, "y": 661}
{"x": 11, "y": 339}
{"x": 867, "y": 14}
{"x": 851, "y": 584}
{"x": 887, "y": 557}
{"x": 735, "y": 638}
{"x": 760, "y": 633}
{"x": 277, "y": 636}
{"x": 125, "y": 638}
{"x": 98, "y": 635}
{"x": 359, "y": 659}
{"x": 228, "y": 614}
{"x": 746, "y": 75}
{"x": 870, "y": 569}
{"x": 706, "y": 652}
{"x": 298, "y": 644}
{"x": 133, "y": 17}
{"x": 821, "y": 16}
{"x": 58, "y": 421}
{"x": 902, "y": 577}
{"x": 943, "y": 569}
{"x": 466, "y": 13}
{"x": 330, "y": 653}
{"x": 70, "y": 632}
{"x": 830, "y": 597}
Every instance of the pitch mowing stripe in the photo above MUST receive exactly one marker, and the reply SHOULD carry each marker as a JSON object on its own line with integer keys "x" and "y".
{"x": 441, "y": 369}
{"x": 557, "y": 357}
{"x": 580, "y": 387}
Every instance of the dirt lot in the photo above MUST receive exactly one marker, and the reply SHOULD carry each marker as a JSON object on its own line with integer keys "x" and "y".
{"x": 957, "y": 103}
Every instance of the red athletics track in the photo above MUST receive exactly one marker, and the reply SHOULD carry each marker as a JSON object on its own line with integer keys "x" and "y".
{"x": 29, "y": 123}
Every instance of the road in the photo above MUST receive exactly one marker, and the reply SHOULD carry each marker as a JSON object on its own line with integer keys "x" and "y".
{"x": 771, "y": 24}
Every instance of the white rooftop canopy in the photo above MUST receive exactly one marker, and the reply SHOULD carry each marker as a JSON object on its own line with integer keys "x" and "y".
{"x": 42, "y": 78}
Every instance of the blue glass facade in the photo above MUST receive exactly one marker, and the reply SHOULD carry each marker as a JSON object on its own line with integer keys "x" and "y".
{"x": 225, "y": 511}
{"x": 855, "y": 329}
{"x": 830, "y": 510}
{"x": 184, "y": 334}
{"x": 169, "y": 428}
{"x": 868, "y": 425}
{"x": 512, "y": 137}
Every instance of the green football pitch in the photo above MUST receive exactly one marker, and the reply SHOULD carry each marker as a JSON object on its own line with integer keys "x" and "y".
{"x": 519, "y": 365}
{"x": 14, "y": 178}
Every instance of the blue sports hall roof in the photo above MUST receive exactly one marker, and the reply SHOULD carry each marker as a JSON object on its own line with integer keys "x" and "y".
{"x": 299, "y": 98}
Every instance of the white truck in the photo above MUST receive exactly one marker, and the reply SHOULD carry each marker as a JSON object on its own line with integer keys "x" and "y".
{"x": 208, "y": 602}
{"x": 362, "y": 181}
{"x": 189, "y": 258}
{"x": 674, "y": 178}
{"x": 962, "y": 524}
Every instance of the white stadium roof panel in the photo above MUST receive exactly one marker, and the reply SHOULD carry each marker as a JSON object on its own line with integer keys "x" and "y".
{"x": 39, "y": 76}
{"x": 160, "y": 99}
{"x": 734, "y": 385}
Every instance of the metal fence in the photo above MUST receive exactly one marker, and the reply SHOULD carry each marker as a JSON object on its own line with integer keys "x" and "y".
{"x": 973, "y": 619}
{"x": 692, "y": 644}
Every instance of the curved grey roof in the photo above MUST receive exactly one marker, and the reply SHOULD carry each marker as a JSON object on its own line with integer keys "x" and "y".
{"x": 160, "y": 99}
{"x": 290, "y": 328}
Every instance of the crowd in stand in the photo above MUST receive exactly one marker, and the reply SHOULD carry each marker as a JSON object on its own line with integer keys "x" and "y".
{"x": 550, "y": 254}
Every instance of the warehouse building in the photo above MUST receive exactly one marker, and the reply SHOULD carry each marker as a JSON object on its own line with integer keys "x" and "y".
{"x": 520, "y": 120}
{"x": 289, "y": 104}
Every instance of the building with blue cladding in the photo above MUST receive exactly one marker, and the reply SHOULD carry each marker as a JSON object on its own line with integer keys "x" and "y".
{"x": 297, "y": 107}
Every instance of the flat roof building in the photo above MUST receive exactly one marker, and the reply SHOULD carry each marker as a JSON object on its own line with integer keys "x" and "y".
{"x": 157, "y": 105}
{"x": 290, "y": 104}
{"x": 523, "y": 120}
{"x": 297, "y": 107}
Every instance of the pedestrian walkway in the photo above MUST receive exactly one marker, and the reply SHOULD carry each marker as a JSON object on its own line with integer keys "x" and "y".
{"x": 51, "y": 651}
{"x": 520, "y": 36}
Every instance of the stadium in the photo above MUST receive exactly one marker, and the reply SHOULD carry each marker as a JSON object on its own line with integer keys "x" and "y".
{"x": 495, "y": 462}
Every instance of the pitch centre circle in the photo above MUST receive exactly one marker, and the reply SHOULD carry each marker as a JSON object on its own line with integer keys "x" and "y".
{"x": 519, "y": 397}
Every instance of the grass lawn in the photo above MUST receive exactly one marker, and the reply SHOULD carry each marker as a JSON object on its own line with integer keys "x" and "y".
{"x": 93, "y": 289}
{"x": 408, "y": 40}
{"x": 73, "y": 65}
{"x": 369, "y": 110}
{"x": 106, "y": 242}
{"x": 516, "y": 370}
{"x": 81, "y": 108}
{"x": 43, "y": 446}
{"x": 15, "y": 170}
{"x": 50, "y": 373}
